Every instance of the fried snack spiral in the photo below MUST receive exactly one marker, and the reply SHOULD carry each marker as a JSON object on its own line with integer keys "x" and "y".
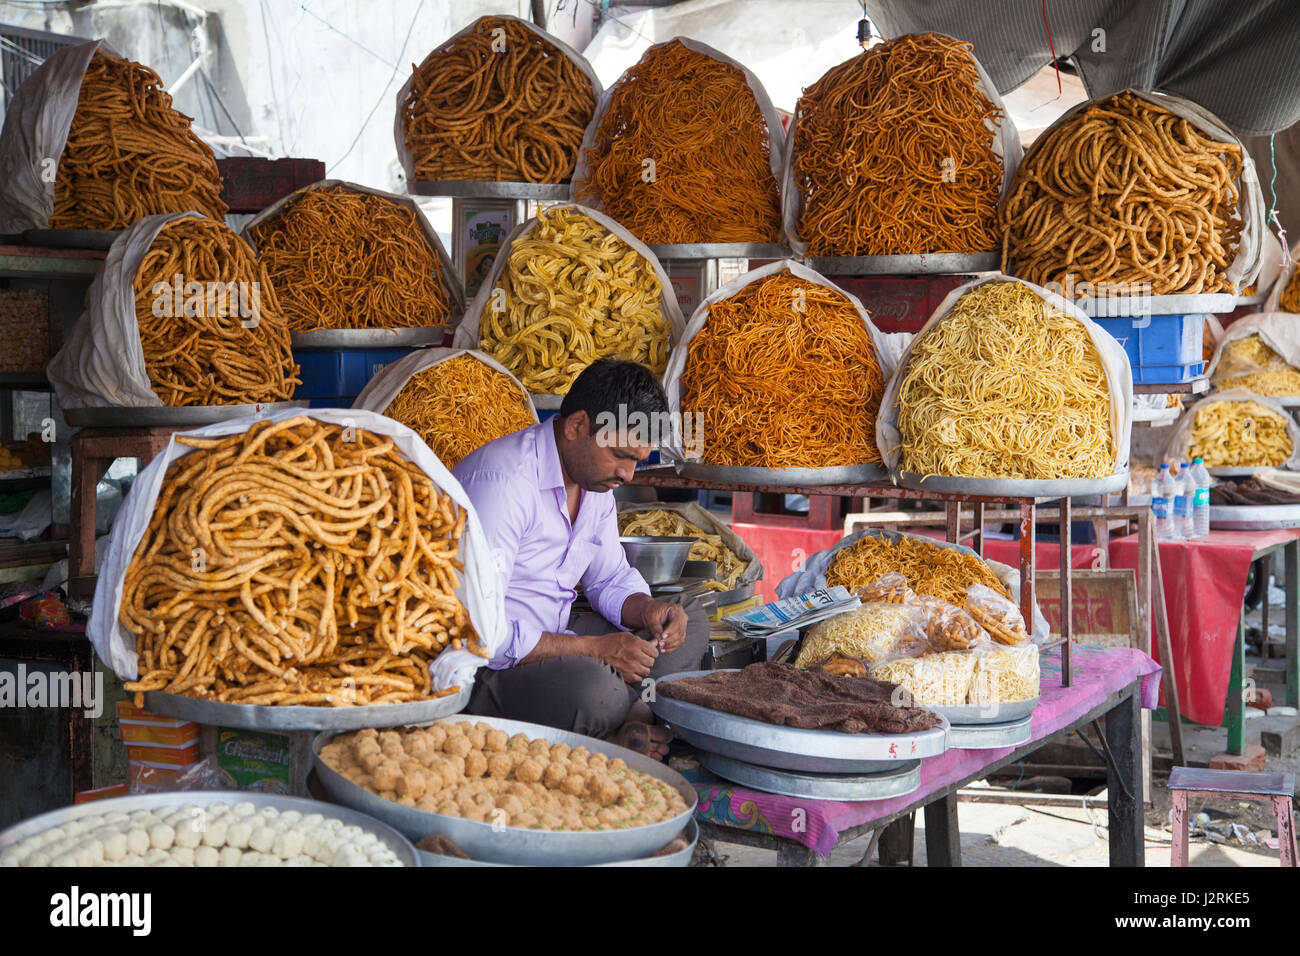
{"x": 1124, "y": 194}
{"x": 459, "y": 405}
{"x": 205, "y": 354}
{"x": 697, "y": 119}
{"x": 515, "y": 114}
{"x": 349, "y": 260}
{"x": 572, "y": 292}
{"x": 786, "y": 376}
{"x": 1006, "y": 386}
{"x": 129, "y": 154}
{"x": 893, "y": 153}
{"x": 1250, "y": 364}
{"x": 943, "y": 573}
{"x": 1239, "y": 435}
{"x": 296, "y": 563}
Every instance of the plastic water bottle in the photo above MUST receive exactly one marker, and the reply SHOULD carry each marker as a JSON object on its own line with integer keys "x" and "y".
{"x": 1162, "y": 504}
{"x": 1184, "y": 501}
{"x": 1201, "y": 503}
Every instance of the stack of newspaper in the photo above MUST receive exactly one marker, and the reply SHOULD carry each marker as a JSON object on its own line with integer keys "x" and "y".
{"x": 794, "y": 612}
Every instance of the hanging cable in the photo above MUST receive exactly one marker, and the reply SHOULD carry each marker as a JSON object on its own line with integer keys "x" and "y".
{"x": 864, "y": 28}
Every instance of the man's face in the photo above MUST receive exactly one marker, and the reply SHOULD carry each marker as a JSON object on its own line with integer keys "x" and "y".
{"x": 597, "y": 462}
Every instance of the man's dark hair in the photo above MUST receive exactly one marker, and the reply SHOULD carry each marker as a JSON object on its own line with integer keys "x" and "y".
{"x": 607, "y": 383}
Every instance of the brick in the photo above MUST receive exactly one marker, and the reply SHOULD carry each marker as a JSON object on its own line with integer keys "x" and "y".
{"x": 1281, "y": 743}
{"x": 1252, "y": 759}
{"x": 1262, "y": 699}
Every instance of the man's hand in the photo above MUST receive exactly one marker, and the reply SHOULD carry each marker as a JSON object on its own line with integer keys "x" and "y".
{"x": 666, "y": 624}
{"x": 628, "y": 654}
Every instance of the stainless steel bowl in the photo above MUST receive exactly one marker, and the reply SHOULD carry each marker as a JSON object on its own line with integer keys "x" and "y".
{"x": 659, "y": 559}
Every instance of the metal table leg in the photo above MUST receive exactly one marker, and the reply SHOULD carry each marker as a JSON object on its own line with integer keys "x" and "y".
{"x": 1233, "y": 718}
{"x": 1124, "y": 798}
{"x": 1292, "y": 554}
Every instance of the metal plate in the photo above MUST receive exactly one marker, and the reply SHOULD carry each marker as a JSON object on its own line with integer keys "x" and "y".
{"x": 473, "y": 189}
{"x": 99, "y": 239}
{"x": 513, "y": 844}
{"x": 1136, "y": 306}
{"x": 898, "y": 781}
{"x": 302, "y": 717}
{"x": 680, "y": 858}
{"x": 966, "y": 715}
{"x": 1254, "y": 517}
{"x": 991, "y": 736}
{"x": 1225, "y": 471}
{"x": 400, "y": 846}
{"x": 746, "y": 475}
{"x": 790, "y": 748}
{"x": 546, "y": 403}
{"x": 937, "y": 263}
{"x": 720, "y": 250}
{"x": 369, "y": 338}
{"x": 1015, "y": 487}
{"x": 149, "y": 416}
{"x": 739, "y": 593}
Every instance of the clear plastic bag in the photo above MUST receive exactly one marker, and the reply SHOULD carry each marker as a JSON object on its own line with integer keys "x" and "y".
{"x": 948, "y": 627}
{"x": 1005, "y": 674}
{"x": 1000, "y": 618}
{"x": 869, "y": 633}
{"x": 933, "y": 680}
{"x": 889, "y": 588}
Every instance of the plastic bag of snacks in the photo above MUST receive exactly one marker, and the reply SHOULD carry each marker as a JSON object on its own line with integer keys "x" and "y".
{"x": 996, "y": 615}
{"x": 942, "y": 679}
{"x": 889, "y": 588}
{"x": 1004, "y": 674}
{"x": 949, "y": 628}
{"x": 869, "y": 633}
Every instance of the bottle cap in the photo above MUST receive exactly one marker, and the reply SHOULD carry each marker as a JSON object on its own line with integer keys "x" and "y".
{"x": 1164, "y": 467}
{"x": 1198, "y": 461}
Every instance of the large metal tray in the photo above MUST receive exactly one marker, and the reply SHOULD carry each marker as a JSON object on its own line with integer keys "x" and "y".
{"x": 401, "y": 847}
{"x": 1014, "y": 487}
{"x": 720, "y": 250}
{"x": 746, "y": 475}
{"x": 966, "y": 715}
{"x": 99, "y": 239}
{"x": 475, "y": 189}
{"x": 301, "y": 717}
{"x": 1137, "y": 306}
{"x": 739, "y": 593}
{"x": 369, "y": 338}
{"x": 1233, "y": 471}
{"x": 149, "y": 416}
{"x": 991, "y": 736}
{"x": 680, "y": 858}
{"x": 896, "y": 782}
{"x": 790, "y": 748}
{"x": 935, "y": 263}
{"x": 1254, "y": 517}
{"x": 513, "y": 844}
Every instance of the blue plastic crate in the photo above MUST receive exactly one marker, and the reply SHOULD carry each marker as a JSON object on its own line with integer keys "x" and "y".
{"x": 1163, "y": 349}
{"x": 332, "y": 373}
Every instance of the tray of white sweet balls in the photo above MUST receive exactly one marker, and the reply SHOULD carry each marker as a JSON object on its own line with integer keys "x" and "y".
{"x": 204, "y": 828}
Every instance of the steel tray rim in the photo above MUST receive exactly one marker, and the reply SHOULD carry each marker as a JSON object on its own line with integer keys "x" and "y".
{"x": 718, "y": 250}
{"x": 898, "y": 781}
{"x": 369, "y": 338}
{"x": 395, "y": 841}
{"x": 749, "y": 475}
{"x": 1014, "y": 487}
{"x": 512, "y": 844}
{"x": 678, "y": 859}
{"x": 926, "y": 263}
{"x": 485, "y": 189}
{"x": 1234, "y": 471}
{"x": 1254, "y": 517}
{"x": 992, "y": 736}
{"x": 145, "y": 416}
{"x": 302, "y": 716}
{"x": 972, "y": 715}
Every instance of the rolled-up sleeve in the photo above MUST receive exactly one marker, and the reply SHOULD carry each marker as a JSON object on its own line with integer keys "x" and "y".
{"x": 609, "y": 580}
{"x": 504, "y": 517}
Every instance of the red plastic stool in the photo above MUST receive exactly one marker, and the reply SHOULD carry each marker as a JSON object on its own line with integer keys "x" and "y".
{"x": 1274, "y": 788}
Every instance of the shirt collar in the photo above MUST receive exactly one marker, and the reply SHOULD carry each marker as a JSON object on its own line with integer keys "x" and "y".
{"x": 549, "y": 472}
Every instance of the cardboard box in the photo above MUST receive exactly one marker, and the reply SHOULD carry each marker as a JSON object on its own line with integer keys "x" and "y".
{"x": 102, "y": 793}
{"x": 162, "y": 755}
{"x": 127, "y": 711}
{"x": 141, "y": 732}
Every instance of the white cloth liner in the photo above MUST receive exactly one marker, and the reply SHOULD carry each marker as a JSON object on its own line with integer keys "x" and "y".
{"x": 101, "y": 363}
{"x": 813, "y": 573}
{"x": 1285, "y": 273}
{"x": 1005, "y": 145}
{"x": 482, "y": 584}
{"x": 392, "y": 378}
{"x": 1119, "y": 375}
{"x": 467, "y": 333}
{"x": 1181, "y": 438}
{"x": 772, "y": 119}
{"x": 677, "y": 360}
{"x": 36, "y": 127}
{"x": 1280, "y": 331}
{"x": 455, "y": 293}
{"x": 399, "y": 131}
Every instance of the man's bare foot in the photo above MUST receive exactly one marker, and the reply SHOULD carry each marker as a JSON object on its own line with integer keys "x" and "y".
{"x": 649, "y": 739}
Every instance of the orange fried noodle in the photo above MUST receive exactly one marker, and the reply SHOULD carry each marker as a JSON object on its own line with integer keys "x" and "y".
{"x": 342, "y": 259}
{"x": 1289, "y": 301}
{"x": 893, "y": 153}
{"x": 786, "y": 376}
{"x": 515, "y": 113}
{"x": 944, "y": 573}
{"x": 697, "y": 119}
{"x": 129, "y": 154}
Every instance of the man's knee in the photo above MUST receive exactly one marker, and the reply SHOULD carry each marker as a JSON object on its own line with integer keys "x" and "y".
{"x": 598, "y": 697}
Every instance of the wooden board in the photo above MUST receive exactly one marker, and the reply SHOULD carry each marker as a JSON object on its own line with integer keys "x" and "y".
{"x": 1104, "y": 606}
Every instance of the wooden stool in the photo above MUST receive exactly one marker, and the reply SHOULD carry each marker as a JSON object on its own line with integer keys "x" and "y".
{"x": 1275, "y": 788}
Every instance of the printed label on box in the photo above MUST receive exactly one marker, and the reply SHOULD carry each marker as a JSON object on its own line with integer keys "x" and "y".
{"x": 251, "y": 760}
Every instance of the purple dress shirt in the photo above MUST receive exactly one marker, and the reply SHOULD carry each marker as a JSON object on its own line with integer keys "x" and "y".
{"x": 517, "y": 488}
